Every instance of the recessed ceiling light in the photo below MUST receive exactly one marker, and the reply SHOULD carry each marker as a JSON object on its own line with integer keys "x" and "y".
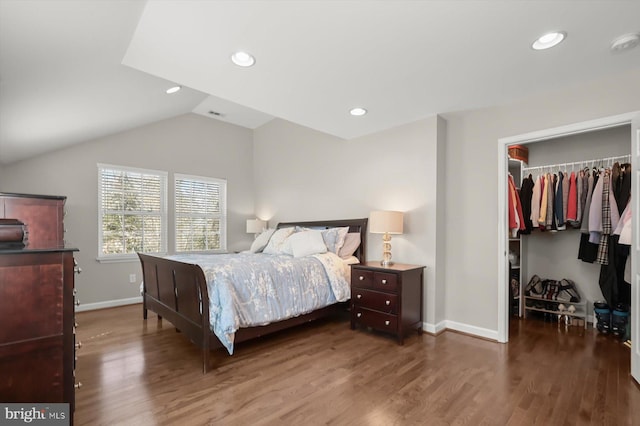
{"x": 173, "y": 89}
{"x": 243, "y": 59}
{"x": 358, "y": 111}
{"x": 548, "y": 40}
{"x": 625, "y": 42}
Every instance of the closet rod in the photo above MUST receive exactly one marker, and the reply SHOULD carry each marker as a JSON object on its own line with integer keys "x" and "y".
{"x": 624, "y": 158}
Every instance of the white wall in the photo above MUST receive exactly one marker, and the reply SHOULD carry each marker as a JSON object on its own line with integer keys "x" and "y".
{"x": 471, "y": 164}
{"x": 189, "y": 144}
{"x": 302, "y": 174}
{"x": 554, "y": 255}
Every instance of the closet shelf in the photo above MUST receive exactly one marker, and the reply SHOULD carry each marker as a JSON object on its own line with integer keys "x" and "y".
{"x": 550, "y": 307}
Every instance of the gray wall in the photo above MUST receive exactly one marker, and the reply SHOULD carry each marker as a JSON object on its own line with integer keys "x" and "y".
{"x": 555, "y": 255}
{"x": 189, "y": 144}
{"x": 472, "y": 200}
{"x": 302, "y": 174}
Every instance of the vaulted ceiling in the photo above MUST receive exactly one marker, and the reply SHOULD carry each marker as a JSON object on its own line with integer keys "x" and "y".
{"x": 72, "y": 71}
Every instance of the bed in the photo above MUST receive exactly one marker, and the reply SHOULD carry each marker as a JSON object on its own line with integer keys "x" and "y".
{"x": 176, "y": 288}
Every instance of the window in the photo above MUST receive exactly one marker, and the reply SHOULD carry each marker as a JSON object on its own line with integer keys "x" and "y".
{"x": 201, "y": 213}
{"x": 132, "y": 212}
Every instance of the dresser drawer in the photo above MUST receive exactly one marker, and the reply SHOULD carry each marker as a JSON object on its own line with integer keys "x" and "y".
{"x": 361, "y": 278}
{"x": 375, "y": 300}
{"x": 374, "y": 319}
{"x": 385, "y": 281}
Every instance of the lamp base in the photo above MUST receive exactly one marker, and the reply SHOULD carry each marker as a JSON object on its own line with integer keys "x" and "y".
{"x": 386, "y": 250}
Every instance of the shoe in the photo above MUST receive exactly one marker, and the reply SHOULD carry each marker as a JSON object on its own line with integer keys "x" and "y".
{"x": 619, "y": 319}
{"x": 567, "y": 291}
{"x": 603, "y": 316}
{"x": 534, "y": 287}
{"x": 550, "y": 289}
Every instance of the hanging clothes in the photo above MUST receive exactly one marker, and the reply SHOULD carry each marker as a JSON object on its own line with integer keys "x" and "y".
{"x": 624, "y": 186}
{"x": 605, "y": 221}
{"x": 516, "y": 219}
{"x": 615, "y": 276}
{"x": 572, "y": 201}
{"x": 595, "y": 212}
{"x": 565, "y": 198}
{"x": 544, "y": 188}
{"x": 526, "y": 194}
{"x": 551, "y": 186}
{"x": 588, "y": 251}
{"x": 535, "y": 203}
{"x": 559, "y": 203}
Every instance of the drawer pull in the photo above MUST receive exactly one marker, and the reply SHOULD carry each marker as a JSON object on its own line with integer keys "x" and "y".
{"x": 384, "y": 281}
{"x": 359, "y": 296}
{"x": 78, "y": 385}
{"x": 361, "y": 278}
{"x": 388, "y": 302}
{"x": 386, "y": 322}
{"x": 359, "y": 314}
{"x": 78, "y": 345}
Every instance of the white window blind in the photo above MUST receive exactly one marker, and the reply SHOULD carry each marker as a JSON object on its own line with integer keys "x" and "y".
{"x": 132, "y": 211}
{"x": 200, "y": 213}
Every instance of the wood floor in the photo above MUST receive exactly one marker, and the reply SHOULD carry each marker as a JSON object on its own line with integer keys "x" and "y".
{"x": 137, "y": 372}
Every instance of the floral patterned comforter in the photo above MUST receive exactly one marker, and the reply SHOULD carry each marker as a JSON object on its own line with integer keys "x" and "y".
{"x": 248, "y": 289}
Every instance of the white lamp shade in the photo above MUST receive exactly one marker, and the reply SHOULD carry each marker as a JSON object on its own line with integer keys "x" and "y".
{"x": 255, "y": 226}
{"x": 385, "y": 221}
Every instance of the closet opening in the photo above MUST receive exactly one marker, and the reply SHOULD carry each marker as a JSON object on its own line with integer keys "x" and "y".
{"x": 558, "y": 269}
{"x": 567, "y": 146}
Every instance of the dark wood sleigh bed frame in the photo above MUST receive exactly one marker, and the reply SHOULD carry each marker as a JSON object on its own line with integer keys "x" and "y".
{"x": 177, "y": 292}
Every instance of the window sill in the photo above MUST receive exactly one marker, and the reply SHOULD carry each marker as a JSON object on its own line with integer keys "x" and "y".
{"x": 123, "y": 259}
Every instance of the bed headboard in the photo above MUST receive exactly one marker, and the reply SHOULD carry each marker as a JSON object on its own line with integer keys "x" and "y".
{"x": 355, "y": 225}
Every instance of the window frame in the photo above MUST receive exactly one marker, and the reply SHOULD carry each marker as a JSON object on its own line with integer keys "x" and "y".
{"x": 223, "y": 216}
{"x": 163, "y": 214}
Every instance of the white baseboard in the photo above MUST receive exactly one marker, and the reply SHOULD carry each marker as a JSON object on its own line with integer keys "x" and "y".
{"x": 434, "y": 329}
{"x": 472, "y": 329}
{"x": 108, "y": 304}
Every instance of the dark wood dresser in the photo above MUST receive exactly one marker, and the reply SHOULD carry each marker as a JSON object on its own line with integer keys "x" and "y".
{"x": 387, "y": 298}
{"x": 37, "y": 296}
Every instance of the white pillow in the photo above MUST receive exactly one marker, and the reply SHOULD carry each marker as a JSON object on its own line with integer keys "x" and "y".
{"x": 351, "y": 244}
{"x": 306, "y": 243}
{"x": 261, "y": 241}
{"x": 276, "y": 243}
{"x": 334, "y": 238}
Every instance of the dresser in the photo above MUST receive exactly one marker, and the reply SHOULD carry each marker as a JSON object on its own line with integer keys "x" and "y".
{"x": 388, "y": 299}
{"x": 37, "y": 296}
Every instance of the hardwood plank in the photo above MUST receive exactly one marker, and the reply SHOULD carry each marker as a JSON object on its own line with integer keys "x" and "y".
{"x": 143, "y": 372}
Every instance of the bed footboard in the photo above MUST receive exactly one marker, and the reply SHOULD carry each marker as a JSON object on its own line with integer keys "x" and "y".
{"x": 177, "y": 292}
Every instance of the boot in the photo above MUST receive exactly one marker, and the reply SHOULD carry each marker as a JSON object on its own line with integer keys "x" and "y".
{"x": 603, "y": 316}
{"x": 619, "y": 320}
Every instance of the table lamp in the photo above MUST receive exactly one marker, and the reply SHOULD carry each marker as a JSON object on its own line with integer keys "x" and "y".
{"x": 386, "y": 222}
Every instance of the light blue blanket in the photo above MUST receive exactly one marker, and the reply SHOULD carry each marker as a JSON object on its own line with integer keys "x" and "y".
{"x": 249, "y": 289}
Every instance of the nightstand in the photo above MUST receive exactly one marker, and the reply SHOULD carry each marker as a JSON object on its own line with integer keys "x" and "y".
{"x": 387, "y": 298}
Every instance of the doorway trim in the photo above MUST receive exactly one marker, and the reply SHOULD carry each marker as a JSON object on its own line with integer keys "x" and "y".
{"x": 537, "y": 136}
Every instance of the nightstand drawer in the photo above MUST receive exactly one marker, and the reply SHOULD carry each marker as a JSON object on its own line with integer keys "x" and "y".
{"x": 361, "y": 278}
{"x": 376, "y": 320}
{"x": 375, "y": 300}
{"x": 384, "y": 281}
